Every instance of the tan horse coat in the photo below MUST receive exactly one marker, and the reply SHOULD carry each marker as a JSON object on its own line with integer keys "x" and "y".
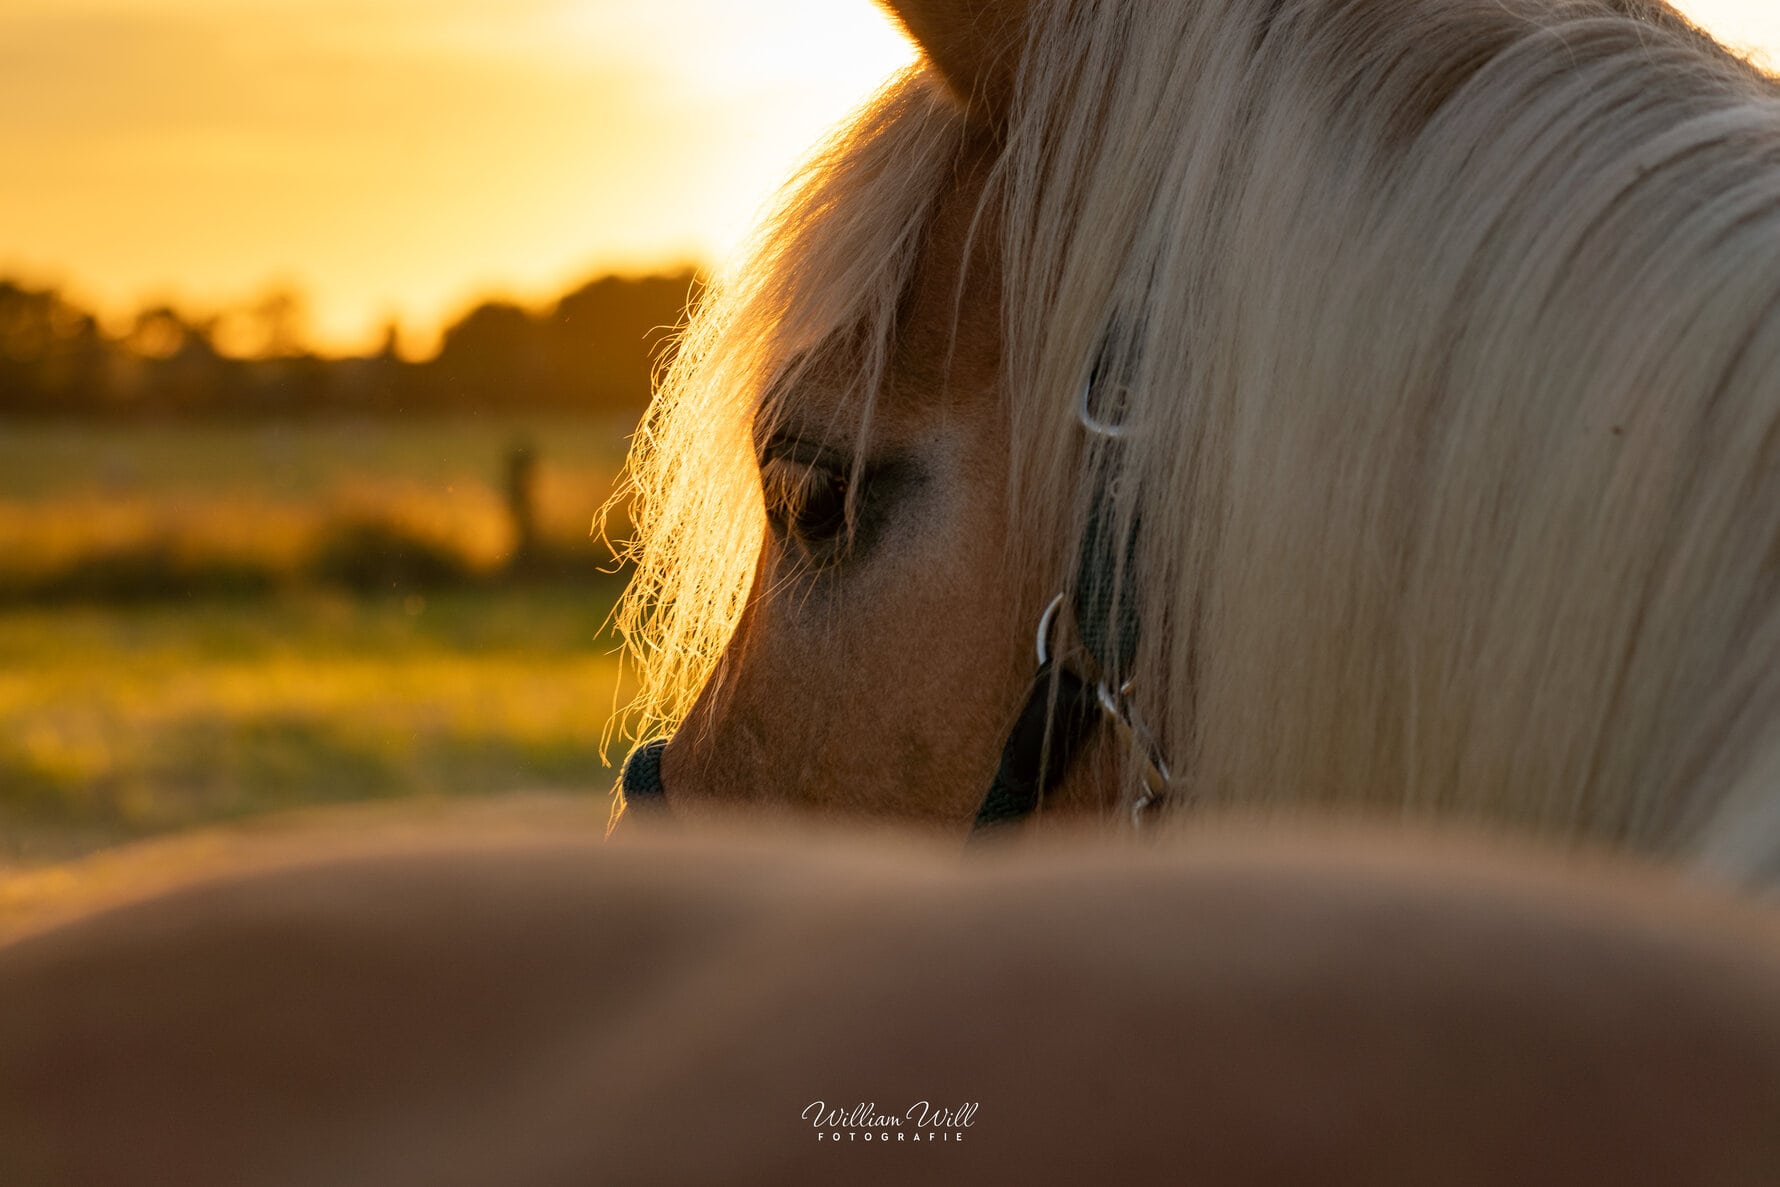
{"x": 533, "y": 1010}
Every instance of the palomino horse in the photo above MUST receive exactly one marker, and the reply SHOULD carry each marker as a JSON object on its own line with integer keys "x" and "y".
{"x": 1390, "y": 390}
{"x": 1359, "y": 406}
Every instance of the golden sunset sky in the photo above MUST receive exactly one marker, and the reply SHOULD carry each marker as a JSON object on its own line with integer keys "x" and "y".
{"x": 398, "y": 158}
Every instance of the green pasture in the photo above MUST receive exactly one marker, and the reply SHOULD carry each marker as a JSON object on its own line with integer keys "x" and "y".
{"x": 168, "y": 707}
{"x": 300, "y": 460}
{"x": 107, "y": 510}
{"x": 116, "y": 723}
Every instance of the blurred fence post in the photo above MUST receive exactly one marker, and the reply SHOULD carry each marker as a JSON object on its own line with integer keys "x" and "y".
{"x": 522, "y": 503}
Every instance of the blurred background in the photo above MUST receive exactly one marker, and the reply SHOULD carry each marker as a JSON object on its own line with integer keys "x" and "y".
{"x": 323, "y": 328}
{"x": 324, "y": 325}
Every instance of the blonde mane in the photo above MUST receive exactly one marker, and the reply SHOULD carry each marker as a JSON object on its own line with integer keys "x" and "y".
{"x": 1448, "y": 332}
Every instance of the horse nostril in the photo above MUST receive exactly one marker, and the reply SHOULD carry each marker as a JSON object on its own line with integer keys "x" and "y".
{"x": 641, "y": 780}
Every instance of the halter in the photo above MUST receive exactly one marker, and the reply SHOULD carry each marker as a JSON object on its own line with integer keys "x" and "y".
{"x": 1063, "y": 706}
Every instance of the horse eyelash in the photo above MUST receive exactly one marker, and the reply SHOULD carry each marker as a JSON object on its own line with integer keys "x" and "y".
{"x": 788, "y": 497}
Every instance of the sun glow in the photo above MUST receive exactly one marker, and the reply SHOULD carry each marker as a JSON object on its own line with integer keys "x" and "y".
{"x": 392, "y": 159}
{"x": 395, "y": 158}
{"x": 1751, "y": 27}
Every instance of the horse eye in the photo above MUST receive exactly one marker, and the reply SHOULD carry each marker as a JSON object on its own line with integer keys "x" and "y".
{"x": 805, "y": 502}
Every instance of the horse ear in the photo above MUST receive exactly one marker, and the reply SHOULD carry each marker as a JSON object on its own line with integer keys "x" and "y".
{"x": 974, "y": 44}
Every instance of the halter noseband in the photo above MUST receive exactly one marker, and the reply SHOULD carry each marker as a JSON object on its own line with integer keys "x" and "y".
{"x": 1063, "y": 707}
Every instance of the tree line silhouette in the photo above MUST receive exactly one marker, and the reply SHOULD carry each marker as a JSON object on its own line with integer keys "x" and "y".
{"x": 592, "y": 351}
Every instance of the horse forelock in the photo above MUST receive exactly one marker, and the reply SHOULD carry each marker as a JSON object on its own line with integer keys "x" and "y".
{"x": 1448, "y": 334}
{"x": 824, "y": 273}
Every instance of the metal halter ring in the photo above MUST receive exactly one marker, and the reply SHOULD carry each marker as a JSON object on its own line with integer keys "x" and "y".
{"x": 1045, "y": 622}
{"x": 1093, "y": 423}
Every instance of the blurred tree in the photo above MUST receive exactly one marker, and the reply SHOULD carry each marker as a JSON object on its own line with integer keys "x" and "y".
{"x": 283, "y": 319}
{"x": 52, "y": 354}
{"x": 593, "y": 351}
{"x": 158, "y": 333}
{"x": 607, "y": 337}
{"x": 491, "y": 358}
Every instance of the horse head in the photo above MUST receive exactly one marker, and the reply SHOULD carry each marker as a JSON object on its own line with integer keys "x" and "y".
{"x": 1385, "y": 392}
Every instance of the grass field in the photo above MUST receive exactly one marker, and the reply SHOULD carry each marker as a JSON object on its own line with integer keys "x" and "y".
{"x": 93, "y": 509}
{"x": 116, "y": 724}
{"x": 123, "y": 718}
{"x": 300, "y": 460}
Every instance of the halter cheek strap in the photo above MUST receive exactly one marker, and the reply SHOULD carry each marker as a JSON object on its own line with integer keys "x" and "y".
{"x": 1063, "y": 708}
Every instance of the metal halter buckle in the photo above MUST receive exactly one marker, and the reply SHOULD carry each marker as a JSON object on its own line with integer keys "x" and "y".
{"x": 1155, "y": 774}
{"x": 1116, "y": 706}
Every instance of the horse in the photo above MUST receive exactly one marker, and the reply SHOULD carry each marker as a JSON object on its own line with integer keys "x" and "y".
{"x": 512, "y": 1000}
{"x": 1332, "y": 438}
{"x": 1386, "y": 391}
